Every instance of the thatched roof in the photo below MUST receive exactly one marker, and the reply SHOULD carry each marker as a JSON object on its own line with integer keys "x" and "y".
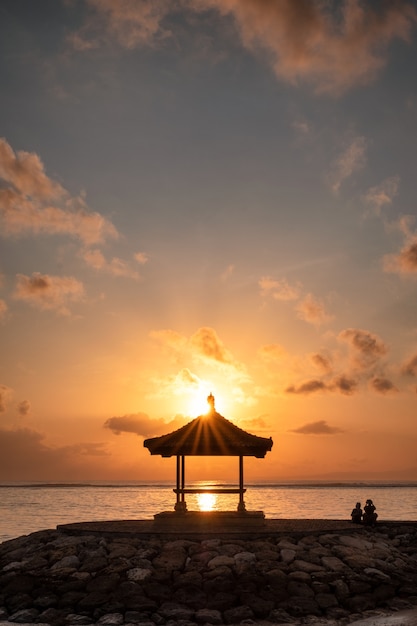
{"x": 209, "y": 435}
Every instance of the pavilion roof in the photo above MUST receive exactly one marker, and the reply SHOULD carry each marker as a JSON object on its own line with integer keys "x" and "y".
{"x": 209, "y": 435}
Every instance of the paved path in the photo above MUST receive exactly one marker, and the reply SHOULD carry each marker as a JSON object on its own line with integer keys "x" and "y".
{"x": 206, "y": 527}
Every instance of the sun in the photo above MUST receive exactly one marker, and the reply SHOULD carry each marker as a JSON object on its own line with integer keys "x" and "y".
{"x": 197, "y": 403}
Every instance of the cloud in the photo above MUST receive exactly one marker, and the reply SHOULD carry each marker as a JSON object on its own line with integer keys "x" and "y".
{"x": 207, "y": 343}
{"x": 307, "y": 41}
{"x": 320, "y": 427}
{"x": 312, "y": 310}
{"x": 377, "y": 197}
{"x": 141, "y": 257}
{"x": 116, "y": 267}
{"x": 332, "y": 48}
{"x": 403, "y": 263}
{"x": 310, "y": 386}
{"x": 278, "y": 289}
{"x": 322, "y": 362}
{"x": 366, "y": 347}
{"x": 410, "y": 367}
{"x": 352, "y": 159}
{"x": 272, "y": 352}
{"x": 170, "y": 339}
{"x": 48, "y": 292}
{"x": 3, "y": 309}
{"x": 128, "y": 22}
{"x": 25, "y": 456}
{"x": 23, "y": 408}
{"x": 141, "y": 424}
{"x": 5, "y": 395}
{"x": 343, "y": 384}
{"x": 186, "y": 377}
{"x": 24, "y": 171}
{"x": 31, "y": 202}
{"x": 383, "y": 385}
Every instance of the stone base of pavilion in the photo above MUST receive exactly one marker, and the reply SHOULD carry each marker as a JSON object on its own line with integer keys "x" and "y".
{"x": 206, "y": 520}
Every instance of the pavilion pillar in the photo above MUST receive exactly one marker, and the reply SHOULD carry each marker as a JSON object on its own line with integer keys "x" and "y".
{"x": 180, "y": 504}
{"x": 241, "y": 506}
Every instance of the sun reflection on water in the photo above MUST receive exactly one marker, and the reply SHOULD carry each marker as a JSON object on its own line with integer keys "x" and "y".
{"x": 206, "y": 501}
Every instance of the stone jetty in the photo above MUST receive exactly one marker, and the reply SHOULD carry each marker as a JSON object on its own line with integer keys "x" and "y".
{"x": 282, "y": 576}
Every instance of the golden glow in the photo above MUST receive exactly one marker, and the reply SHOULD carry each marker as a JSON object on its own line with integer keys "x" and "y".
{"x": 197, "y": 400}
{"x": 206, "y": 501}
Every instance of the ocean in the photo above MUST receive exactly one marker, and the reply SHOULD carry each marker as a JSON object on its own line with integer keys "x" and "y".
{"x": 26, "y": 508}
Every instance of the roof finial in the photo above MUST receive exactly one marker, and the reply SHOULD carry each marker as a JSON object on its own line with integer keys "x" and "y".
{"x": 210, "y": 400}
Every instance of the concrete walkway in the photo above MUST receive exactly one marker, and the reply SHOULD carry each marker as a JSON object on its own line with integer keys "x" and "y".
{"x": 207, "y": 525}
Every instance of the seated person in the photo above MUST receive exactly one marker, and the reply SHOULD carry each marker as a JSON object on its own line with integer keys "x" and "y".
{"x": 357, "y": 514}
{"x": 369, "y": 516}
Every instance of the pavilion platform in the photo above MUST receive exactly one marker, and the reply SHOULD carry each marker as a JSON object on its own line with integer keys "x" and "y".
{"x": 207, "y": 524}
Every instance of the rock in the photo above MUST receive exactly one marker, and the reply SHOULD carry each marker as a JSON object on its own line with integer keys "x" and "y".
{"x": 333, "y": 563}
{"x": 139, "y": 574}
{"x": 208, "y": 616}
{"x": 67, "y": 562}
{"x": 50, "y": 578}
{"x": 305, "y": 566}
{"x": 24, "y": 616}
{"x": 237, "y": 614}
{"x": 326, "y": 600}
{"x": 111, "y": 619}
{"x": 296, "y": 588}
{"x": 376, "y": 574}
{"x": 288, "y": 555}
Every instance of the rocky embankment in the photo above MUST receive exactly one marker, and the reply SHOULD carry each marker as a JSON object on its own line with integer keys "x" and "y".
{"x": 51, "y": 577}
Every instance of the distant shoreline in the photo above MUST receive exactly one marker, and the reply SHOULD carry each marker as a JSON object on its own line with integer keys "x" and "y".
{"x": 167, "y": 484}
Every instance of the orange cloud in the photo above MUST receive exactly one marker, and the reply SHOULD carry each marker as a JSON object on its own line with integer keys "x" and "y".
{"x": 3, "y": 309}
{"x": 48, "y": 292}
{"x": 278, "y": 289}
{"x": 207, "y": 343}
{"x": 343, "y": 384}
{"x": 272, "y": 352}
{"x": 366, "y": 347}
{"x": 24, "y": 454}
{"x": 141, "y": 424}
{"x": 383, "y": 385}
{"x": 312, "y": 310}
{"x": 5, "y": 395}
{"x": 403, "y": 263}
{"x": 23, "y": 408}
{"x": 308, "y": 40}
{"x": 141, "y": 257}
{"x": 128, "y": 22}
{"x": 26, "y": 194}
{"x": 320, "y": 427}
{"x": 377, "y": 197}
{"x": 310, "y": 386}
{"x": 331, "y": 47}
{"x": 322, "y": 362}
{"x": 352, "y": 159}
{"x": 410, "y": 367}
{"x": 116, "y": 267}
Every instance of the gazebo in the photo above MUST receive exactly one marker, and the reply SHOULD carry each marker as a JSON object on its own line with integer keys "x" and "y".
{"x": 208, "y": 435}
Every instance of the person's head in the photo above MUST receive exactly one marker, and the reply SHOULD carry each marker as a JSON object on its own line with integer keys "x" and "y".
{"x": 369, "y": 502}
{"x": 358, "y": 505}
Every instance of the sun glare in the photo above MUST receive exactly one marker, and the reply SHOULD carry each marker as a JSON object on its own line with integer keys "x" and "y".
{"x": 206, "y": 501}
{"x": 197, "y": 401}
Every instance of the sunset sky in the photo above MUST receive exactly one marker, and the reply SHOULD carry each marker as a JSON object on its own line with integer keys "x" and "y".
{"x": 208, "y": 196}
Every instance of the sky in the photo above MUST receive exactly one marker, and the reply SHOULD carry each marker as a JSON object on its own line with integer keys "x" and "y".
{"x": 208, "y": 196}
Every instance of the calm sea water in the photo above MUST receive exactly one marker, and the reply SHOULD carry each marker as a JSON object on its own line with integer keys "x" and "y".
{"x": 28, "y": 508}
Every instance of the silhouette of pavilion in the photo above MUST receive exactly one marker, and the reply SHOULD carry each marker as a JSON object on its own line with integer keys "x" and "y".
{"x": 210, "y": 434}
